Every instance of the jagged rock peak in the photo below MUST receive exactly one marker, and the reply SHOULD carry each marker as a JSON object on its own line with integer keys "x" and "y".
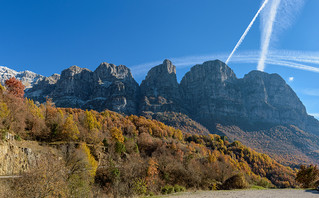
{"x": 159, "y": 90}
{"x": 162, "y": 70}
{"x": 104, "y": 66}
{"x": 162, "y": 73}
{"x": 28, "y": 78}
{"x": 76, "y": 68}
{"x": 53, "y": 78}
{"x": 167, "y": 64}
{"x": 55, "y": 75}
{"x": 107, "y": 70}
{"x": 73, "y": 70}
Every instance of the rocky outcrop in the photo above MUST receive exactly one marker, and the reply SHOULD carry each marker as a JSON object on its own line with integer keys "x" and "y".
{"x": 215, "y": 95}
{"x": 211, "y": 92}
{"x": 43, "y": 88}
{"x": 113, "y": 88}
{"x": 73, "y": 88}
{"x": 160, "y": 90}
{"x": 108, "y": 87}
{"x": 267, "y": 98}
{"x": 18, "y": 156}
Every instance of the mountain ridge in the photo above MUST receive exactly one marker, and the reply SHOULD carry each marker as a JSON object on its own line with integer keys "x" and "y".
{"x": 257, "y": 97}
{"x": 160, "y": 90}
{"x": 28, "y": 78}
{"x": 210, "y": 94}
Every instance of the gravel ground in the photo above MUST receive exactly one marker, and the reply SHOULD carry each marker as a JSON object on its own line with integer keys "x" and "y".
{"x": 281, "y": 193}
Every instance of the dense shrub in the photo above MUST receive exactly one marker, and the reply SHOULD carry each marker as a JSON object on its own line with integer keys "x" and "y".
{"x": 140, "y": 186}
{"x": 168, "y": 189}
{"x": 119, "y": 147}
{"x": 179, "y": 188}
{"x": 308, "y": 176}
{"x": 237, "y": 181}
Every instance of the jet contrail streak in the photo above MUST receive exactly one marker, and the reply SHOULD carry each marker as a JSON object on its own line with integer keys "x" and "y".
{"x": 269, "y": 30}
{"x": 246, "y": 31}
{"x": 294, "y": 65}
{"x": 286, "y": 58}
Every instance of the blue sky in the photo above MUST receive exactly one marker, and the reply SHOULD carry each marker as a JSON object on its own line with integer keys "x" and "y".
{"x": 47, "y": 36}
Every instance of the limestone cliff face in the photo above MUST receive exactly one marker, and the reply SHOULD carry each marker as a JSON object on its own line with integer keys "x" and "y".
{"x": 73, "y": 88}
{"x": 43, "y": 88}
{"x": 17, "y": 157}
{"x": 267, "y": 98}
{"x": 113, "y": 87}
{"x": 14, "y": 160}
{"x": 215, "y": 95}
{"x": 108, "y": 87}
{"x": 209, "y": 93}
{"x": 160, "y": 90}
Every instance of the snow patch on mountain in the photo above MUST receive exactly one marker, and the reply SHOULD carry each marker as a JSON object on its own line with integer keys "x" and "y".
{"x": 28, "y": 78}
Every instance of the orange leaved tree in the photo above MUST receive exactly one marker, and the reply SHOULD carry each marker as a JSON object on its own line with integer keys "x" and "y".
{"x": 15, "y": 87}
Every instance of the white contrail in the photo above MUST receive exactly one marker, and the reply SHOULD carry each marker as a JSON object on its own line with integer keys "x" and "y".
{"x": 298, "y": 56}
{"x": 294, "y": 65}
{"x": 268, "y": 29}
{"x": 276, "y": 16}
{"x": 246, "y": 31}
{"x": 286, "y": 58}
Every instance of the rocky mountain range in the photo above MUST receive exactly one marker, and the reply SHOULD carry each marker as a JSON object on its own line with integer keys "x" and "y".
{"x": 28, "y": 78}
{"x": 209, "y": 94}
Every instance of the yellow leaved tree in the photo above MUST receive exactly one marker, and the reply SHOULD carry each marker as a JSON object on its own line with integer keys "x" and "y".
{"x": 117, "y": 134}
{"x": 91, "y": 121}
{"x": 69, "y": 129}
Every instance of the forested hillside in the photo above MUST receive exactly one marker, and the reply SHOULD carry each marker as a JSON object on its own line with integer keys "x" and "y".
{"x": 112, "y": 154}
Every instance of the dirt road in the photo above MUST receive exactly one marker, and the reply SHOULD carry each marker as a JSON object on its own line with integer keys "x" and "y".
{"x": 280, "y": 193}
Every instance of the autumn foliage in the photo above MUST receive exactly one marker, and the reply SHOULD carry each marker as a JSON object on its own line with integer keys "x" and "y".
{"x": 131, "y": 155}
{"x": 308, "y": 176}
{"x": 15, "y": 87}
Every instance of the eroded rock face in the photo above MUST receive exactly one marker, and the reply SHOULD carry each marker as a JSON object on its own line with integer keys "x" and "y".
{"x": 113, "y": 88}
{"x": 108, "y": 87}
{"x": 160, "y": 90}
{"x": 16, "y": 159}
{"x": 260, "y": 110}
{"x": 209, "y": 93}
{"x": 43, "y": 88}
{"x": 73, "y": 88}
{"x": 215, "y": 95}
{"x": 268, "y": 98}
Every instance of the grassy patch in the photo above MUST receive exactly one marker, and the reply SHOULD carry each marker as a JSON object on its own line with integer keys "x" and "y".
{"x": 255, "y": 187}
